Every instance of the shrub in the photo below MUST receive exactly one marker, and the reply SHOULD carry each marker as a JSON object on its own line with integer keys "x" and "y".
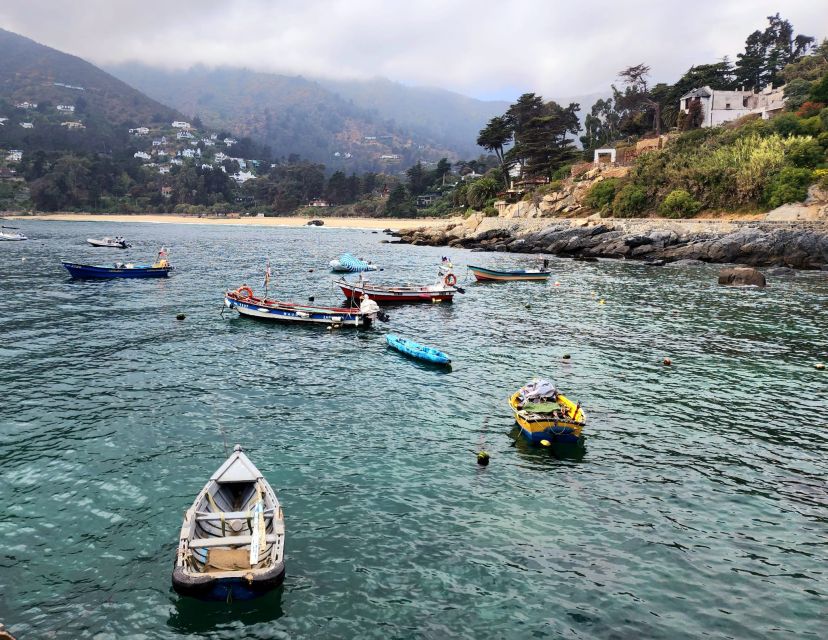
{"x": 805, "y": 152}
{"x": 481, "y": 191}
{"x": 789, "y": 185}
{"x": 821, "y": 178}
{"x": 797, "y": 92}
{"x": 629, "y": 202}
{"x": 601, "y": 194}
{"x": 490, "y": 212}
{"x": 562, "y": 172}
{"x": 809, "y": 108}
{"x": 679, "y": 204}
{"x": 819, "y": 93}
{"x": 787, "y": 124}
{"x": 822, "y": 139}
{"x": 823, "y": 116}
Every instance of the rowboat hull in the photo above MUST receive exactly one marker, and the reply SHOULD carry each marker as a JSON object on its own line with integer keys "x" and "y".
{"x": 491, "y": 275}
{"x": 398, "y": 295}
{"x": 417, "y": 351}
{"x": 253, "y": 307}
{"x": 82, "y": 271}
{"x": 564, "y": 431}
{"x": 232, "y": 541}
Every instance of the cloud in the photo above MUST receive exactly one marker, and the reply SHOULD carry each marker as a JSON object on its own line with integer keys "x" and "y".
{"x": 482, "y": 48}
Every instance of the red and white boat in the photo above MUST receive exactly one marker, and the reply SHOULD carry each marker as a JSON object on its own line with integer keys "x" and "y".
{"x": 442, "y": 290}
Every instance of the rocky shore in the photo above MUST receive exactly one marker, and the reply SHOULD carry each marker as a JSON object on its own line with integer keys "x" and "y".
{"x": 801, "y": 245}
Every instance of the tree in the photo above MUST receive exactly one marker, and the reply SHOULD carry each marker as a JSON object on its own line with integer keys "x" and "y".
{"x": 417, "y": 179}
{"x": 640, "y": 113}
{"x": 495, "y": 136}
{"x": 399, "y": 203}
{"x": 337, "y": 190}
{"x": 768, "y": 52}
{"x": 539, "y": 131}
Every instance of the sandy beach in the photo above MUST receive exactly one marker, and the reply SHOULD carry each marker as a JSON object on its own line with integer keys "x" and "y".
{"x": 289, "y": 221}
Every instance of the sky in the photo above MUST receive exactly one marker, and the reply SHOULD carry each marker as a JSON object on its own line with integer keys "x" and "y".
{"x": 481, "y": 48}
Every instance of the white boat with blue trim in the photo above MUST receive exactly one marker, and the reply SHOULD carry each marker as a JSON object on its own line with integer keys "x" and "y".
{"x": 247, "y": 304}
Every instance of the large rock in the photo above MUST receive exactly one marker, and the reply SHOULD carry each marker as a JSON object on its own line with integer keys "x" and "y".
{"x": 742, "y": 276}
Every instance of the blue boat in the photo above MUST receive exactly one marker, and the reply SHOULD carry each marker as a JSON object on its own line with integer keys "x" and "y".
{"x": 417, "y": 350}
{"x": 117, "y": 270}
{"x": 160, "y": 269}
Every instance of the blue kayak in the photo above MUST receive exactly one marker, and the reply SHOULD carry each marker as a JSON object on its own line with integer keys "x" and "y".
{"x": 417, "y": 350}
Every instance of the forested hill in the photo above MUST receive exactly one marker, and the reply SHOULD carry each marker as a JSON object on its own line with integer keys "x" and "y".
{"x": 451, "y": 118}
{"x": 36, "y": 74}
{"x": 377, "y": 125}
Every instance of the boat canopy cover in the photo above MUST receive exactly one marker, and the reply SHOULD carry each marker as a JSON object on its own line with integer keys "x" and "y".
{"x": 538, "y": 391}
{"x": 353, "y": 264}
{"x": 237, "y": 468}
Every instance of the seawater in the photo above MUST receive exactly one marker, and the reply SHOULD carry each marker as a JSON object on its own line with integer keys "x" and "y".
{"x": 698, "y": 508}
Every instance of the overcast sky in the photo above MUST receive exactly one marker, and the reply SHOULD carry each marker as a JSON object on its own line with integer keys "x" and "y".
{"x": 482, "y": 48}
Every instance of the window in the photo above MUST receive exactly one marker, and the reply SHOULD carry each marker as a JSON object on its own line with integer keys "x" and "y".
{"x": 727, "y": 105}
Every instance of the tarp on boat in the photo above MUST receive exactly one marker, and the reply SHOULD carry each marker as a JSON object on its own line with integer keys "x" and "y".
{"x": 538, "y": 391}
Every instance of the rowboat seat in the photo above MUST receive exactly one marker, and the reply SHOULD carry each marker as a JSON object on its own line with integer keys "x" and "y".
{"x": 203, "y": 516}
{"x": 232, "y": 541}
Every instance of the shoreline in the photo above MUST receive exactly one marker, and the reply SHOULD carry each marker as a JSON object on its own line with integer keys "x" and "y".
{"x": 656, "y": 241}
{"x": 395, "y": 224}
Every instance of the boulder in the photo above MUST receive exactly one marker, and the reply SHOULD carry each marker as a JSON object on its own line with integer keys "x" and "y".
{"x": 742, "y": 277}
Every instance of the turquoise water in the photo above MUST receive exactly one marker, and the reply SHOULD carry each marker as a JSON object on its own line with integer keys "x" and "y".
{"x": 698, "y": 508}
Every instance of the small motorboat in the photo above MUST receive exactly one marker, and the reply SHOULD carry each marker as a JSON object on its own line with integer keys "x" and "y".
{"x": 417, "y": 350}
{"x": 346, "y": 263}
{"x": 160, "y": 269}
{"x": 492, "y": 275}
{"x": 114, "y": 243}
{"x": 546, "y": 416}
{"x": 232, "y": 542}
{"x": 6, "y": 235}
{"x": 243, "y": 301}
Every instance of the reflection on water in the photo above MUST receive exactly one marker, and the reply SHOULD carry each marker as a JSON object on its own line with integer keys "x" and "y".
{"x": 541, "y": 455}
{"x": 191, "y": 616}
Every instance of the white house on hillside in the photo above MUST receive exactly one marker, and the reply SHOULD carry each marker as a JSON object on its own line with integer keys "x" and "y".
{"x": 26, "y": 105}
{"x": 27, "y": 125}
{"x": 14, "y": 155}
{"x": 179, "y": 124}
{"x": 718, "y": 107}
{"x": 65, "y": 108}
{"x": 182, "y": 135}
{"x": 142, "y": 155}
{"x": 140, "y": 131}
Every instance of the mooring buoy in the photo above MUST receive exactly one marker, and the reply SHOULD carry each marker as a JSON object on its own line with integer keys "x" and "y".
{"x": 180, "y": 316}
{"x": 667, "y": 362}
{"x": 482, "y": 458}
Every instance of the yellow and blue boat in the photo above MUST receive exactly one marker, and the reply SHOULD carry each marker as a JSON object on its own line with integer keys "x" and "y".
{"x": 544, "y": 414}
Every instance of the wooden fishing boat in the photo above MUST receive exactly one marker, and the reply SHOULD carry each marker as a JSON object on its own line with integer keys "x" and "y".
{"x": 232, "y": 542}
{"x": 417, "y": 350}
{"x": 243, "y": 301}
{"x": 113, "y": 243}
{"x": 346, "y": 263}
{"x": 159, "y": 269}
{"x": 440, "y": 291}
{"x": 118, "y": 270}
{"x": 492, "y": 275}
{"x": 544, "y": 414}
